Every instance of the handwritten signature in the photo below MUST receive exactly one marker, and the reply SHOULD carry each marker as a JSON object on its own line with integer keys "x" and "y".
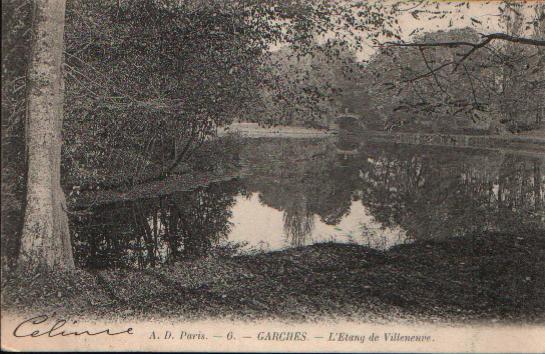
{"x": 36, "y": 327}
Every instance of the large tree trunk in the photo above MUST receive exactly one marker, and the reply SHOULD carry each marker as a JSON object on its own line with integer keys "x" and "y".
{"x": 45, "y": 239}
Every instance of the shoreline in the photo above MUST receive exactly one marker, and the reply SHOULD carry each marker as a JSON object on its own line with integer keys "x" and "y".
{"x": 511, "y": 143}
{"x": 533, "y": 141}
{"x": 253, "y": 130}
{"x": 533, "y": 147}
{"x": 152, "y": 189}
{"x": 406, "y": 282}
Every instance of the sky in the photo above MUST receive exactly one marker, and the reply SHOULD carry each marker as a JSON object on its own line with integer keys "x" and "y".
{"x": 482, "y": 16}
{"x": 416, "y": 18}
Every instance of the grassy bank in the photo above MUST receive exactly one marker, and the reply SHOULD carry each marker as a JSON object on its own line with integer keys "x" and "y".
{"x": 490, "y": 277}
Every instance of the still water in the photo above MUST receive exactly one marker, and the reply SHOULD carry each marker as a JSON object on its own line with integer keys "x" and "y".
{"x": 297, "y": 192}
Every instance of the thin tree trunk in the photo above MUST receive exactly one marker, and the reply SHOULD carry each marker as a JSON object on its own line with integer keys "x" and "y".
{"x": 45, "y": 240}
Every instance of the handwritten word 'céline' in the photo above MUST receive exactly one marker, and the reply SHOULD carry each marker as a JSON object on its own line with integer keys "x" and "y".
{"x": 36, "y": 327}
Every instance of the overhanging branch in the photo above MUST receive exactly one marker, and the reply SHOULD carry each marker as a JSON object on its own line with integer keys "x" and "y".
{"x": 487, "y": 38}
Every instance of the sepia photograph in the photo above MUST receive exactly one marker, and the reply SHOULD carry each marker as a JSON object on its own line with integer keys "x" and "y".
{"x": 273, "y": 175}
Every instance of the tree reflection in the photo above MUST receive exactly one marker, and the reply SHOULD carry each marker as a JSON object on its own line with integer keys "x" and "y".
{"x": 148, "y": 233}
{"x": 298, "y": 221}
{"x": 302, "y": 178}
{"x": 429, "y": 192}
{"x": 441, "y": 193}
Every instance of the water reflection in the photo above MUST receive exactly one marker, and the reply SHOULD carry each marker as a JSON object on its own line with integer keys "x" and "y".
{"x": 441, "y": 194}
{"x": 147, "y": 233}
{"x": 299, "y": 192}
{"x": 298, "y": 221}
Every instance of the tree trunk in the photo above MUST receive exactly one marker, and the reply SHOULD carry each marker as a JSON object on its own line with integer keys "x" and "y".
{"x": 45, "y": 240}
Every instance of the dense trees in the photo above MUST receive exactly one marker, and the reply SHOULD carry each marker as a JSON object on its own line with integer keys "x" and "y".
{"x": 148, "y": 82}
{"x": 151, "y": 81}
{"x": 15, "y": 44}
{"x": 308, "y": 89}
{"x": 521, "y": 70}
{"x": 464, "y": 79}
{"x": 456, "y": 80}
{"x": 409, "y": 97}
{"x": 144, "y": 78}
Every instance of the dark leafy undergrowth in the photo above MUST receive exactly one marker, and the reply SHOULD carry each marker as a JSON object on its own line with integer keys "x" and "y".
{"x": 493, "y": 277}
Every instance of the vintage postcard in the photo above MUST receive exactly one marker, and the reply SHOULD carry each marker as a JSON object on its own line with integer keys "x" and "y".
{"x": 287, "y": 176}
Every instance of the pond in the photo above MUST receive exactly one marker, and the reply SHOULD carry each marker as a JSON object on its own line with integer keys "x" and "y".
{"x": 297, "y": 192}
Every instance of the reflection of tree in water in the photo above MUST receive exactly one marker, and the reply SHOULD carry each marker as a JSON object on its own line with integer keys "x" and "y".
{"x": 337, "y": 188}
{"x": 519, "y": 189}
{"x": 150, "y": 232}
{"x": 427, "y": 191}
{"x": 302, "y": 178}
{"x": 298, "y": 221}
{"x": 442, "y": 192}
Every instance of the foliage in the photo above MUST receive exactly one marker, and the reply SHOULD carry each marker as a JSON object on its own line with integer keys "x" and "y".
{"x": 462, "y": 79}
{"x": 406, "y": 95}
{"x": 163, "y": 79}
{"x": 149, "y": 81}
{"x": 306, "y": 89}
{"x": 15, "y": 45}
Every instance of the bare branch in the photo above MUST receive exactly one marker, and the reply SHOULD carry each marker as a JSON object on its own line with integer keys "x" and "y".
{"x": 475, "y": 101}
{"x": 471, "y": 51}
{"x": 409, "y": 8}
{"x": 431, "y": 72}
{"x": 434, "y": 73}
{"x": 487, "y": 38}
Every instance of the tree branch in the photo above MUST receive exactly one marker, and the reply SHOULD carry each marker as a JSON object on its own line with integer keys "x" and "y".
{"x": 471, "y": 51}
{"x": 487, "y": 38}
{"x": 433, "y": 72}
